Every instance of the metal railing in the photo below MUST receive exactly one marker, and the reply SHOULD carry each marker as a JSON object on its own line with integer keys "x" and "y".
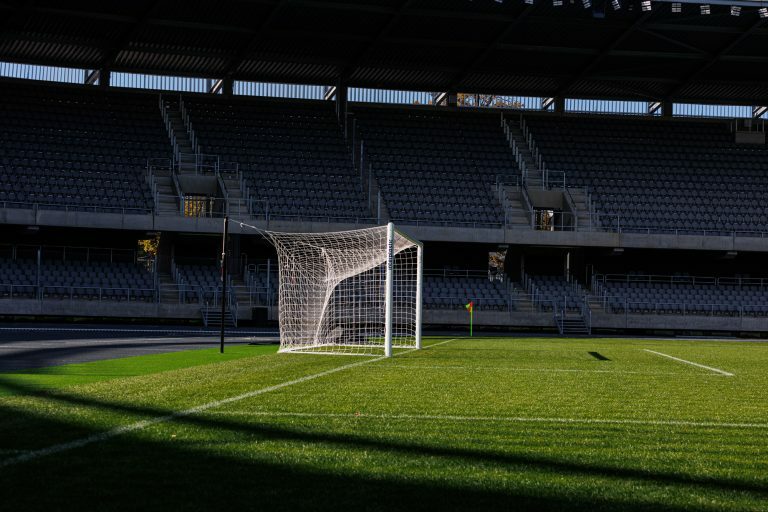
{"x": 168, "y": 126}
{"x": 453, "y": 302}
{"x": 531, "y": 142}
{"x": 188, "y": 124}
{"x": 552, "y": 179}
{"x": 528, "y": 205}
{"x": 78, "y": 292}
{"x": 78, "y": 208}
{"x": 760, "y": 282}
{"x": 625, "y": 306}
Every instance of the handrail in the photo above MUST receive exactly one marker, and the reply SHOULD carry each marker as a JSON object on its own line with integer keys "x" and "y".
{"x": 622, "y": 305}
{"x": 572, "y": 206}
{"x": 681, "y": 280}
{"x": 168, "y": 127}
{"x": 100, "y": 293}
{"x": 188, "y": 124}
{"x": 224, "y": 191}
{"x": 528, "y": 205}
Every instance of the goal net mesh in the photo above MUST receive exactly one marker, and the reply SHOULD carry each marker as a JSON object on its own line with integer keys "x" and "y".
{"x": 332, "y": 291}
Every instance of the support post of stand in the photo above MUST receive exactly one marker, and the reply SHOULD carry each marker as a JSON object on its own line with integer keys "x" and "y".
{"x": 223, "y": 281}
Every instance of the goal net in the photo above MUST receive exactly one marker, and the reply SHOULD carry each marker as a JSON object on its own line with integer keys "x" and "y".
{"x": 350, "y": 292}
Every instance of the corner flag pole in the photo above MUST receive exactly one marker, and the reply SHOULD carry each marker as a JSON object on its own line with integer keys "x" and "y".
{"x": 223, "y": 282}
{"x": 471, "y": 308}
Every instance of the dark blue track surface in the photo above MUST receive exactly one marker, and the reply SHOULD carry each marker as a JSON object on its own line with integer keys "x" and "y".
{"x": 25, "y": 346}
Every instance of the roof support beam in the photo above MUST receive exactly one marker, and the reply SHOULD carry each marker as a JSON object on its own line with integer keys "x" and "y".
{"x": 672, "y": 40}
{"x": 242, "y": 53}
{"x": 113, "y": 50}
{"x": 355, "y": 62}
{"x": 714, "y": 59}
{"x": 600, "y": 57}
{"x": 462, "y": 75}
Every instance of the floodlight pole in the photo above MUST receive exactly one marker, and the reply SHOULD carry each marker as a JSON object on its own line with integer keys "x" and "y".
{"x": 388, "y": 290}
{"x": 223, "y": 281}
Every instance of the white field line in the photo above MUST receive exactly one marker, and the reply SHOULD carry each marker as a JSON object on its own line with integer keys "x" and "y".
{"x": 514, "y": 369}
{"x": 497, "y": 419}
{"x": 716, "y": 370}
{"x": 140, "y": 425}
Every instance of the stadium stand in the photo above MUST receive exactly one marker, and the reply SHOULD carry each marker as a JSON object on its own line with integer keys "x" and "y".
{"x": 198, "y": 283}
{"x": 436, "y": 168}
{"x": 292, "y": 155}
{"x": 80, "y": 149}
{"x": 76, "y": 280}
{"x": 661, "y": 176}
{"x": 446, "y": 290}
{"x": 551, "y": 292}
{"x": 681, "y": 295}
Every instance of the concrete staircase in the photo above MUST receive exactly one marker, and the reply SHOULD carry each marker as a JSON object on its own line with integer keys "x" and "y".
{"x": 212, "y": 318}
{"x": 573, "y": 325}
{"x": 237, "y": 204}
{"x": 512, "y": 200}
{"x": 242, "y": 294}
{"x": 185, "y": 150}
{"x": 532, "y": 175}
{"x": 583, "y": 219}
{"x": 167, "y": 202}
{"x": 169, "y": 293}
{"x": 522, "y": 300}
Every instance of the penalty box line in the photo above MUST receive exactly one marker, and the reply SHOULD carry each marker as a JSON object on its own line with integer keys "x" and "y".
{"x": 496, "y": 419}
{"x": 684, "y": 361}
{"x": 141, "y": 425}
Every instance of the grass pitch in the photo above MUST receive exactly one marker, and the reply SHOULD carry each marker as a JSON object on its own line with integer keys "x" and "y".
{"x": 465, "y": 424}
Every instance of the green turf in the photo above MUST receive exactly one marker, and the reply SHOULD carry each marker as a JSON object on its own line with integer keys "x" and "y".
{"x": 55, "y": 377}
{"x": 493, "y": 424}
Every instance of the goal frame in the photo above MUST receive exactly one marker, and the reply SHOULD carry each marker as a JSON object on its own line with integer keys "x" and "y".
{"x": 389, "y": 287}
{"x": 389, "y": 249}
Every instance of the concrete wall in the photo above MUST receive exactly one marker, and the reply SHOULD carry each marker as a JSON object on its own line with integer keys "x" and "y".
{"x": 679, "y": 323}
{"x": 77, "y": 308}
{"x": 206, "y": 185}
{"x": 479, "y": 233}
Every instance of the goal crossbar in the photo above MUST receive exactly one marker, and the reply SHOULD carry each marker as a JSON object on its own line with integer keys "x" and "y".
{"x": 356, "y": 292}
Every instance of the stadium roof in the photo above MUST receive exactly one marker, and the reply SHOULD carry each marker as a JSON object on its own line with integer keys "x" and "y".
{"x": 478, "y": 46}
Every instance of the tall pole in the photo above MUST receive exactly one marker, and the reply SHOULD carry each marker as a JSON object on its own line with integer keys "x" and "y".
{"x": 419, "y": 290}
{"x": 223, "y": 281}
{"x": 388, "y": 291}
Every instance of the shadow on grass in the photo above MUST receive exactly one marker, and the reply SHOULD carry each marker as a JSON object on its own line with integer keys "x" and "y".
{"x": 129, "y": 472}
{"x": 52, "y": 356}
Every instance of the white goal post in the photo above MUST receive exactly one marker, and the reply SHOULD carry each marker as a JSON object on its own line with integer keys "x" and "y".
{"x": 353, "y": 292}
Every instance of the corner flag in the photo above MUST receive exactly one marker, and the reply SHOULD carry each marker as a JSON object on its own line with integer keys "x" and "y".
{"x": 471, "y": 308}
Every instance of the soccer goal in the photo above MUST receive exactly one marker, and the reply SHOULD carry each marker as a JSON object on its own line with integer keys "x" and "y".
{"x": 351, "y": 292}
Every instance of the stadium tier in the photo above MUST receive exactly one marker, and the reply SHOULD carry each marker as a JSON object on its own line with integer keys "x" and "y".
{"x": 550, "y": 292}
{"x": 436, "y": 168}
{"x": 292, "y": 154}
{"x": 80, "y": 149}
{"x": 681, "y": 295}
{"x": 76, "y": 280}
{"x": 198, "y": 283}
{"x": 661, "y": 175}
{"x": 443, "y": 290}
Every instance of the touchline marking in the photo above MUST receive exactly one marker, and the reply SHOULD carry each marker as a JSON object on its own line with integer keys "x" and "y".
{"x": 499, "y": 419}
{"x": 513, "y": 369}
{"x": 716, "y": 370}
{"x": 140, "y": 425}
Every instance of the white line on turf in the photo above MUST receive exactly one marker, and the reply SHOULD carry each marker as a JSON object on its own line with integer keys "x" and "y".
{"x": 498, "y": 419}
{"x": 716, "y": 370}
{"x": 140, "y": 425}
{"x": 514, "y": 369}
